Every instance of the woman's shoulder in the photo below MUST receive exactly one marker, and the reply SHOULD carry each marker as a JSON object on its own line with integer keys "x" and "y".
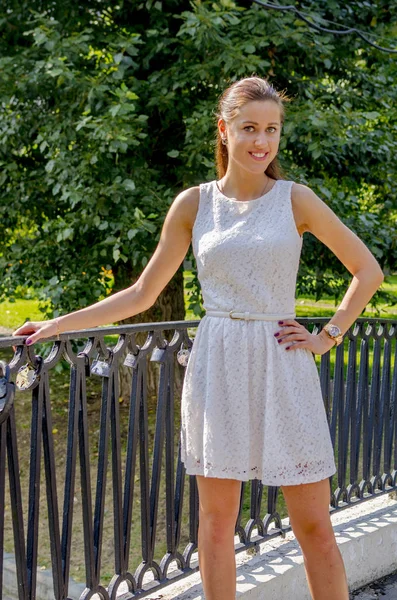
{"x": 302, "y": 198}
{"x": 190, "y": 197}
{"x": 186, "y": 205}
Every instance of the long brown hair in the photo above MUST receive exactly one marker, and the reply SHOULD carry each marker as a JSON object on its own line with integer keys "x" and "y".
{"x": 233, "y": 98}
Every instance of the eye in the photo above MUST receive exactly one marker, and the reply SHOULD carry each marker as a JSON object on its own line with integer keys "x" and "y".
{"x": 248, "y": 127}
{"x": 273, "y": 128}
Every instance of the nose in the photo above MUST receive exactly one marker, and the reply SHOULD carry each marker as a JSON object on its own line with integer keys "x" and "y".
{"x": 261, "y": 141}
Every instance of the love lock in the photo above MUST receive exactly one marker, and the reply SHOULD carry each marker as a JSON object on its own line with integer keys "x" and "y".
{"x": 100, "y": 367}
{"x": 131, "y": 360}
{"x": 157, "y": 355}
{"x": 183, "y": 356}
{"x": 27, "y": 375}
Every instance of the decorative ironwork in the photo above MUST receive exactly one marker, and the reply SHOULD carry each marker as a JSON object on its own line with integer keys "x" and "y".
{"x": 359, "y": 387}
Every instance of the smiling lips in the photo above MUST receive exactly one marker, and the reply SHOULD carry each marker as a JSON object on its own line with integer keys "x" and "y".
{"x": 259, "y": 156}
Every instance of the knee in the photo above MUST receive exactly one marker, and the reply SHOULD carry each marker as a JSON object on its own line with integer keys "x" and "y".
{"x": 217, "y": 527}
{"x": 316, "y": 537}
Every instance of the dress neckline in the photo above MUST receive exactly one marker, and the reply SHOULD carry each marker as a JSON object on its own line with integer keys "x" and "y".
{"x": 244, "y": 201}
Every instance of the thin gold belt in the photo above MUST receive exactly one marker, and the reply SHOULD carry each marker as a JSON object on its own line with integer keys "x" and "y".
{"x": 248, "y": 316}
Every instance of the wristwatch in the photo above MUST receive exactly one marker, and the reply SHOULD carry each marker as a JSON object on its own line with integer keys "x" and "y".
{"x": 334, "y": 333}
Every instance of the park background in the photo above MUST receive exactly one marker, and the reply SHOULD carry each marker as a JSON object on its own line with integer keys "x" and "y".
{"x": 108, "y": 111}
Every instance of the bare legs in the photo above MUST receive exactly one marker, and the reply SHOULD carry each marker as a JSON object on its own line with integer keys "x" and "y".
{"x": 219, "y": 502}
{"x": 308, "y": 508}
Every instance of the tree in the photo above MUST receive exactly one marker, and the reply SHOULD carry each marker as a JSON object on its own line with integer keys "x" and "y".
{"x": 107, "y": 113}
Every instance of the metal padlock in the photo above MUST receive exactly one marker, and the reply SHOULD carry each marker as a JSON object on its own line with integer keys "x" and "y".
{"x": 131, "y": 360}
{"x": 183, "y": 356}
{"x": 100, "y": 367}
{"x": 157, "y": 354}
{"x": 26, "y": 376}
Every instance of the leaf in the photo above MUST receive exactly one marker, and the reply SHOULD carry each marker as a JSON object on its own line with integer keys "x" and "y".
{"x": 131, "y": 233}
{"x": 55, "y": 72}
{"x": 49, "y": 166}
{"x": 83, "y": 123}
{"x": 173, "y": 153}
{"x": 129, "y": 185}
{"x": 114, "y": 110}
{"x": 250, "y": 49}
{"x": 371, "y": 115}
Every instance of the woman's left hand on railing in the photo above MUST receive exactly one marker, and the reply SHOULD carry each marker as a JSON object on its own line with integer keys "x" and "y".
{"x": 39, "y": 329}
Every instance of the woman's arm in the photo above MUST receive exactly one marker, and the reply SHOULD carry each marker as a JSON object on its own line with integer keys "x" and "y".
{"x": 169, "y": 254}
{"x": 312, "y": 214}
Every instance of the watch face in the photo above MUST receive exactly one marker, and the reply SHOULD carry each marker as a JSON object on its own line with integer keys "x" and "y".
{"x": 334, "y": 330}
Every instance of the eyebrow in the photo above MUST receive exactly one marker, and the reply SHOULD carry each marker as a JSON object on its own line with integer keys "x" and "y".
{"x": 255, "y": 123}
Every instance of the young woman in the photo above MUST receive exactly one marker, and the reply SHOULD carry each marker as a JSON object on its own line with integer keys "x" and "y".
{"x": 251, "y": 402}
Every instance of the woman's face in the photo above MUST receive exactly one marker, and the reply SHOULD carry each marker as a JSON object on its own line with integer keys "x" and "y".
{"x": 253, "y": 136}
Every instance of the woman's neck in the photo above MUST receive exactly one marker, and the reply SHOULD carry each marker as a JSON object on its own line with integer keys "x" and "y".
{"x": 245, "y": 186}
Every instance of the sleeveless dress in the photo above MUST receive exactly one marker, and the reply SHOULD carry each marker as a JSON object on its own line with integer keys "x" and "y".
{"x": 250, "y": 408}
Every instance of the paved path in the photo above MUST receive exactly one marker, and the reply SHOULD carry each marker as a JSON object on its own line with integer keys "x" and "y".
{"x": 385, "y": 588}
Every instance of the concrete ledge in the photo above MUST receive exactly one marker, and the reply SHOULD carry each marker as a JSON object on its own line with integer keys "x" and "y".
{"x": 366, "y": 534}
{"x": 44, "y": 589}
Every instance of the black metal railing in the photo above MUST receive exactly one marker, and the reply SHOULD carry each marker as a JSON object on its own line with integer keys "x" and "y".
{"x": 359, "y": 385}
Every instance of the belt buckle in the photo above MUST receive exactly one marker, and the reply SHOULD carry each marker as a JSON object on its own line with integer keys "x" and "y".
{"x": 231, "y": 315}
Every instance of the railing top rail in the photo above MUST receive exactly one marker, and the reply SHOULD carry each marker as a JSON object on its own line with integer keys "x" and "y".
{"x": 159, "y": 326}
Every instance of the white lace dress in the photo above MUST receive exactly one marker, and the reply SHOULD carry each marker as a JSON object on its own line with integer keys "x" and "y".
{"x": 250, "y": 408}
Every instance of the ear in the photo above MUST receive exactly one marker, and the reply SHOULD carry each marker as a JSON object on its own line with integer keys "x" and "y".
{"x": 222, "y": 127}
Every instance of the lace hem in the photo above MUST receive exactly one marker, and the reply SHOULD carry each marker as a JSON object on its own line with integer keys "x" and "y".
{"x": 306, "y": 473}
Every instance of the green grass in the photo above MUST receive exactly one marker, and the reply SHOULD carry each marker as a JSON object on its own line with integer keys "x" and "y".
{"x": 14, "y": 314}
{"x": 306, "y": 306}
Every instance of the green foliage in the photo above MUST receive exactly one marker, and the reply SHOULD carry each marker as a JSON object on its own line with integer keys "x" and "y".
{"x": 106, "y": 113}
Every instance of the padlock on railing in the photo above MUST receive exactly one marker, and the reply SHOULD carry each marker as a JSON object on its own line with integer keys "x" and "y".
{"x": 131, "y": 360}
{"x": 27, "y": 375}
{"x": 100, "y": 367}
{"x": 183, "y": 355}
